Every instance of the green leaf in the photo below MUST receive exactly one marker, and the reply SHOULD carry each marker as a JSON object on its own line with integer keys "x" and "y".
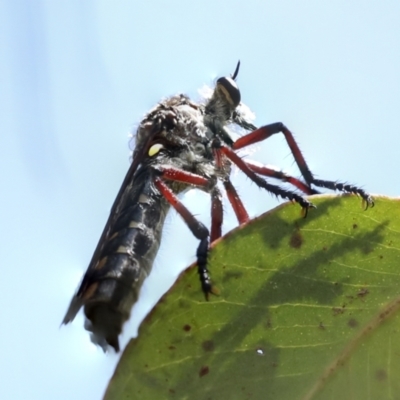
{"x": 308, "y": 309}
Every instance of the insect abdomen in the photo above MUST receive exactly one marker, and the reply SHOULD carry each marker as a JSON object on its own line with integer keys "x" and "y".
{"x": 125, "y": 261}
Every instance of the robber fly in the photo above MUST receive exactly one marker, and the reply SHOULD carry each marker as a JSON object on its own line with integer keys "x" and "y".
{"x": 180, "y": 145}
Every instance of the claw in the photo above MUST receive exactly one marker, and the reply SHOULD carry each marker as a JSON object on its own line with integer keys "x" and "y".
{"x": 367, "y": 202}
{"x": 304, "y": 209}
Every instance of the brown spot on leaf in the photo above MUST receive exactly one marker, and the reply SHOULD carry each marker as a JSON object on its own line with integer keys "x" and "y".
{"x": 203, "y": 371}
{"x": 187, "y": 327}
{"x": 337, "y": 311}
{"x": 381, "y": 375}
{"x": 296, "y": 240}
{"x": 208, "y": 345}
{"x": 384, "y": 314}
{"x": 355, "y": 226}
{"x": 352, "y": 323}
{"x": 362, "y": 292}
{"x": 171, "y": 347}
{"x": 321, "y": 326}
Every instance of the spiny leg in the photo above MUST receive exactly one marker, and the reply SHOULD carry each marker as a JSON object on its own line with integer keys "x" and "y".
{"x": 265, "y": 171}
{"x": 199, "y": 230}
{"x": 348, "y": 188}
{"x": 217, "y": 214}
{"x": 179, "y": 175}
{"x": 266, "y": 131}
{"x": 278, "y": 191}
{"x": 233, "y": 197}
{"x": 237, "y": 205}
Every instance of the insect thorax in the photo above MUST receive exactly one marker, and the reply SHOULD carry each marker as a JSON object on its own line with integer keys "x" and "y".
{"x": 186, "y": 135}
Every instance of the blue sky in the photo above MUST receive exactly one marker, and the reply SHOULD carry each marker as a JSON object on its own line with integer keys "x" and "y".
{"x": 75, "y": 78}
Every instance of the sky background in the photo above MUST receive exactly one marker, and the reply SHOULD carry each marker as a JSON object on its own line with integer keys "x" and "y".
{"x": 75, "y": 78}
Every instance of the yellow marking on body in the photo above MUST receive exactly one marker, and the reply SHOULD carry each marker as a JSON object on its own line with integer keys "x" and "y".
{"x": 155, "y": 149}
{"x": 134, "y": 224}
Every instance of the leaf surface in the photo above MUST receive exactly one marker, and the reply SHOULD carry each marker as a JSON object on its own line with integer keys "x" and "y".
{"x": 308, "y": 309}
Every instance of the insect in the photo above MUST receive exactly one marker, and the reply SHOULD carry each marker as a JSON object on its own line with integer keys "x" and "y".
{"x": 180, "y": 145}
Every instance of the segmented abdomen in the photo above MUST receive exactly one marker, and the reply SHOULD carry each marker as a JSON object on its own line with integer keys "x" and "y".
{"x": 111, "y": 286}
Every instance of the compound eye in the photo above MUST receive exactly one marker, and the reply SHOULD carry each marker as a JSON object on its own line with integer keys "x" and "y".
{"x": 230, "y": 89}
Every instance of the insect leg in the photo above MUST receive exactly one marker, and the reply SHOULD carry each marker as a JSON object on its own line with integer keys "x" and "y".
{"x": 199, "y": 230}
{"x": 216, "y": 214}
{"x": 180, "y": 175}
{"x": 266, "y": 131}
{"x": 233, "y": 197}
{"x": 263, "y": 170}
{"x": 278, "y": 191}
{"x": 236, "y": 202}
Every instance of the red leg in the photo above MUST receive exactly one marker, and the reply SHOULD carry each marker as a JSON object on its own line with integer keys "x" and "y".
{"x": 216, "y": 203}
{"x": 199, "y": 231}
{"x": 265, "y": 132}
{"x": 278, "y": 191}
{"x": 237, "y": 205}
{"x": 268, "y": 130}
{"x": 180, "y": 175}
{"x": 217, "y": 215}
{"x": 265, "y": 171}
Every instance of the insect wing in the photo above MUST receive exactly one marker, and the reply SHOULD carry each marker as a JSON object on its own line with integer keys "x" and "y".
{"x": 78, "y": 299}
